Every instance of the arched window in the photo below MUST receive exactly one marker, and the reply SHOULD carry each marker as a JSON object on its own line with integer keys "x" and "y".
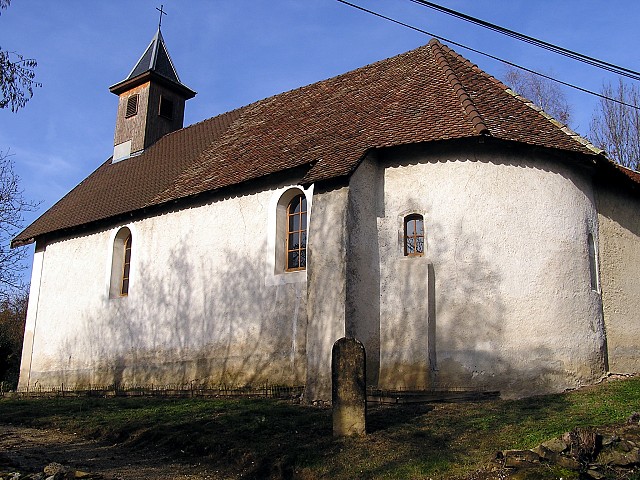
{"x": 593, "y": 264}
{"x": 121, "y": 264}
{"x": 297, "y": 233}
{"x": 413, "y": 235}
{"x": 126, "y": 267}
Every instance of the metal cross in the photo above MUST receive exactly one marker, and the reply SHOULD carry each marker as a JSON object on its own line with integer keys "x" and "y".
{"x": 162, "y": 12}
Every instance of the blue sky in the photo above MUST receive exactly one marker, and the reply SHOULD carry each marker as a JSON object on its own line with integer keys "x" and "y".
{"x": 233, "y": 52}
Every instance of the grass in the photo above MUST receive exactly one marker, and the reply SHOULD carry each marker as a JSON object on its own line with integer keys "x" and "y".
{"x": 263, "y": 438}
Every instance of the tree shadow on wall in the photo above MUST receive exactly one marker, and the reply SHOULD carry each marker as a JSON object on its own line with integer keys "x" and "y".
{"x": 471, "y": 329}
{"x": 197, "y": 322}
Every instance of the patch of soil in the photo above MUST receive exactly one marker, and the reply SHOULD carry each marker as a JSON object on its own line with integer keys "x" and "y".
{"x": 29, "y": 450}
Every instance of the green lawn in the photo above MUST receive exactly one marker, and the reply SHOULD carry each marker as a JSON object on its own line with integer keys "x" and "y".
{"x": 265, "y": 438}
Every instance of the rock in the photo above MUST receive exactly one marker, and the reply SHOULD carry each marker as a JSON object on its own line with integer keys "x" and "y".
{"x": 57, "y": 471}
{"x": 556, "y": 445}
{"x": 634, "y": 418}
{"x": 520, "y": 458}
{"x": 609, "y": 440}
{"x": 545, "y": 453}
{"x": 595, "y": 474}
{"x": 53, "y": 468}
{"x": 620, "y": 458}
{"x": 567, "y": 462}
{"x": 625, "y": 446}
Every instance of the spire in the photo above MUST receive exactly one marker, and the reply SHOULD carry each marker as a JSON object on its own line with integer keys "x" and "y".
{"x": 156, "y": 59}
{"x": 154, "y": 62}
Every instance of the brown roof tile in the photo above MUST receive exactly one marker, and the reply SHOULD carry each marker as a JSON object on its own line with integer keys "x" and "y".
{"x": 427, "y": 94}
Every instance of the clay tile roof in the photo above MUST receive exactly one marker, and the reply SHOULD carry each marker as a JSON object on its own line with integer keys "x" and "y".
{"x": 632, "y": 174}
{"x": 428, "y": 94}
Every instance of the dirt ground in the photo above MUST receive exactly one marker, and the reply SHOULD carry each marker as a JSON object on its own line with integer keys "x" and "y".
{"x": 29, "y": 450}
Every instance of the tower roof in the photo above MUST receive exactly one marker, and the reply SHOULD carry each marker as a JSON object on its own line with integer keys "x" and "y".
{"x": 154, "y": 61}
{"x": 156, "y": 58}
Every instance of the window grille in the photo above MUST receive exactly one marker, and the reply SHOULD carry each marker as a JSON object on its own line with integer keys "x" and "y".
{"x": 413, "y": 235}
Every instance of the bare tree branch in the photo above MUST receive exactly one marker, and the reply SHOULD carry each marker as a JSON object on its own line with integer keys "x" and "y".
{"x": 615, "y": 128}
{"x": 544, "y": 93}
{"x": 12, "y": 207}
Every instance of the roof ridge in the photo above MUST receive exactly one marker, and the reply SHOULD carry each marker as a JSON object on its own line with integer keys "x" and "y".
{"x": 467, "y": 104}
{"x": 565, "y": 128}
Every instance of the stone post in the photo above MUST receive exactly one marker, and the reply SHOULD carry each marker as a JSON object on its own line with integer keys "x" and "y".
{"x": 349, "y": 388}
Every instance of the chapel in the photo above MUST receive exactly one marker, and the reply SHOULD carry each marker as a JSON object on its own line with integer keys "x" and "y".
{"x": 417, "y": 204}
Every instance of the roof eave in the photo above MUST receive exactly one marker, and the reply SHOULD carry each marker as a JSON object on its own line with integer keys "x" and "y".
{"x": 17, "y": 242}
{"x": 148, "y": 76}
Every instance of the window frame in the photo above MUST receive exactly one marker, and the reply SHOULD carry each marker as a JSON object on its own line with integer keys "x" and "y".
{"x": 415, "y": 236}
{"x": 594, "y": 270}
{"x": 274, "y": 260}
{"x": 122, "y": 254}
{"x": 301, "y": 247}
{"x": 126, "y": 267}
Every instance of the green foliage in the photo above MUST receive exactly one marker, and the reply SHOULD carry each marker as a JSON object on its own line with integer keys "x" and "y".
{"x": 263, "y": 439}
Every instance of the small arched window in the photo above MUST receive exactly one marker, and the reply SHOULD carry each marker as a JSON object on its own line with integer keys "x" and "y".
{"x": 121, "y": 264}
{"x": 413, "y": 235}
{"x": 296, "y": 250}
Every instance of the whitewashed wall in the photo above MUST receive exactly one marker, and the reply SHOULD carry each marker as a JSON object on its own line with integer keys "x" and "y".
{"x": 502, "y": 297}
{"x": 620, "y": 277}
{"x": 202, "y": 305}
{"x": 326, "y": 286}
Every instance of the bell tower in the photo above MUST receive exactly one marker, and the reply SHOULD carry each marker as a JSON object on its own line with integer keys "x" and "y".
{"x": 151, "y": 101}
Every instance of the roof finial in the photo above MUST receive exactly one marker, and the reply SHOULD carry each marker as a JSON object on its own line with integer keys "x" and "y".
{"x": 162, "y": 12}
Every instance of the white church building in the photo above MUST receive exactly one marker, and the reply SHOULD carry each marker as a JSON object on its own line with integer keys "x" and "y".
{"x": 465, "y": 237}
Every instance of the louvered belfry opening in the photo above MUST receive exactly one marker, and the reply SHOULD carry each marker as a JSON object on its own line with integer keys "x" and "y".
{"x": 132, "y": 106}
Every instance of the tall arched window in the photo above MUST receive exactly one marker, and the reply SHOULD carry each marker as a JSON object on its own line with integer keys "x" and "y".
{"x": 593, "y": 264}
{"x": 297, "y": 233}
{"x": 413, "y": 235}
{"x": 121, "y": 264}
{"x": 126, "y": 267}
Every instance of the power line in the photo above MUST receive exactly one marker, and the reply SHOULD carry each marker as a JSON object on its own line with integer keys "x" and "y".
{"x": 488, "y": 55}
{"x": 534, "y": 41}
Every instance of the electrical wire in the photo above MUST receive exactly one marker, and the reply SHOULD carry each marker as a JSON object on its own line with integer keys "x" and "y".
{"x": 493, "y": 57}
{"x": 533, "y": 41}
